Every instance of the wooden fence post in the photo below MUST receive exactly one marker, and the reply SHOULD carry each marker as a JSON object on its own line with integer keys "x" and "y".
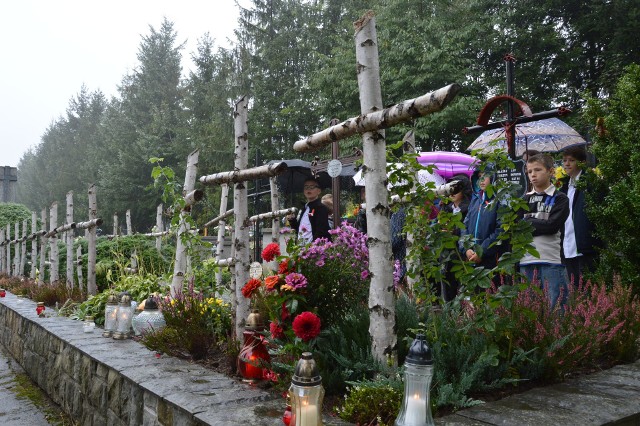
{"x": 53, "y": 242}
{"x": 128, "y": 219}
{"x": 69, "y": 240}
{"x": 23, "y": 247}
{"x": 92, "y": 288}
{"x": 16, "y": 249}
{"x": 181, "y": 262}
{"x": 43, "y": 245}
{"x": 159, "y": 227}
{"x": 222, "y": 225}
{"x": 34, "y": 245}
{"x": 275, "y": 205}
{"x": 79, "y": 266}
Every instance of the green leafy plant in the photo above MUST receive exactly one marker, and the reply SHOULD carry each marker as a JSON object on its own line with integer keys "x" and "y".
{"x": 196, "y": 324}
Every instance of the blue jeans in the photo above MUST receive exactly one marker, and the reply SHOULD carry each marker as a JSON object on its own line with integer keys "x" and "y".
{"x": 551, "y": 278}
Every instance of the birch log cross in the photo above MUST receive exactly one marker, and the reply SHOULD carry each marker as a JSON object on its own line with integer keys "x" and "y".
{"x": 190, "y": 195}
{"x": 371, "y": 124}
{"x": 238, "y": 177}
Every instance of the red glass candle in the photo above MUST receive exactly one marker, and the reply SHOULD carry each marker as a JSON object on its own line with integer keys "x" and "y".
{"x": 286, "y": 417}
{"x": 40, "y": 309}
{"x": 253, "y": 355}
{"x": 2, "y": 292}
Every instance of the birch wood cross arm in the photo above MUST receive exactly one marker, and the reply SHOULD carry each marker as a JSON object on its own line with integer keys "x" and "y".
{"x": 405, "y": 111}
{"x": 268, "y": 170}
{"x": 216, "y": 220}
{"x": 276, "y": 214}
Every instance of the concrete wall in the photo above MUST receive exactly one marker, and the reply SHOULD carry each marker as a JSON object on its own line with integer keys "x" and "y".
{"x": 100, "y": 381}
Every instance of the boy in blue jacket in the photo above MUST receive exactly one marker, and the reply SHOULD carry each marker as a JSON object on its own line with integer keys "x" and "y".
{"x": 548, "y": 211}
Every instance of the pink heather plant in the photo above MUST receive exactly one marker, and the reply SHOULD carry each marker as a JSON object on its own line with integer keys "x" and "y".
{"x": 597, "y": 326}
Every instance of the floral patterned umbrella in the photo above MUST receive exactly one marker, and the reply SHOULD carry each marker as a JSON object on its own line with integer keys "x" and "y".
{"x": 548, "y": 135}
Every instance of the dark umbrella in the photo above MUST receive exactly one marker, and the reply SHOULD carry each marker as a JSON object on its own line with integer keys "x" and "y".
{"x": 292, "y": 180}
{"x": 548, "y": 135}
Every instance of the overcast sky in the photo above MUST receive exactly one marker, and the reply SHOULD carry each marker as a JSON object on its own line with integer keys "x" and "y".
{"x": 50, "y": 48}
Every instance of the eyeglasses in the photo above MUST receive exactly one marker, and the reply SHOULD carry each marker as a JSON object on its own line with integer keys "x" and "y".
{"x": 311, "y": 186}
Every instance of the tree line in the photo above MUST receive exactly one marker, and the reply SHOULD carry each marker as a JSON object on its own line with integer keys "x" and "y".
{"x": 295, "y": 60}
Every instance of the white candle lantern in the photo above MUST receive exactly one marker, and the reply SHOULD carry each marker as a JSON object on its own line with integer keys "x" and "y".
{"x": 418, "y": 372}
{"x": 306, "y": 393}
{"x": 125, "y": 315}
{"x": 110, "y": 316}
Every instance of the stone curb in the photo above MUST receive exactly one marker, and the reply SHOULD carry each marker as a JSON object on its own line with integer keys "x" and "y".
{"x": 100, "y": 381}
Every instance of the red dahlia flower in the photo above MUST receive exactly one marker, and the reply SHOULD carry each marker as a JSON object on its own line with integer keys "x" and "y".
{"x": 270, "y": 252}
{"x": 306, "y": 326}
{"x": 251, "y": 287}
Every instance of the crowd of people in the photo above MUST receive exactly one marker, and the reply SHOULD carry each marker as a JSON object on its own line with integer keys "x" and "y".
{"x": 563, "y": 235}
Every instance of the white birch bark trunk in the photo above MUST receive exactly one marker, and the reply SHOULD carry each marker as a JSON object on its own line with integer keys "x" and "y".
{"x": 381, "y": 292}
{"x": 23, "y": 247}
{"x": 53, "y": 241}
{"x": 79, "y": 266}
{"x": 92, "y": 288}
{"x": 34, "y": 245}
{"x": 43, "y": 246}
{"x": 222, "y": 227}
{"x": 115, "y": 224}
{"x": 220, "y": 218}
{"x": 159, "y": 227}
{"x": 380, "y": 118}
{"x": 69, "y": 240}
{"x": 274, "y": 215}
{"x": 241, "y": 213}
{"x": 16, "y": 249}
{"x": 128, "y": 219}
{"x": 275, "y": 205}
{"x": 8, "y": 263}
{"x": 181, "y": 262}
{"x": 267, "y": 170}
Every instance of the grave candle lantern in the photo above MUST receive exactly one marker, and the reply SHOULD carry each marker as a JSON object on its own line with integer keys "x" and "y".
{"x": 88, "y": 325}
{"x": 253, "y": 353}
{"x": 3, "y": 293}
{"x": 306, "y": 393}
{"x": 151, "y": 319}
{"x": 124, "y": 317}
{"x": 415, "y": 409}
{"x": 110, "y": 316}
{"x": 40, "y": 309}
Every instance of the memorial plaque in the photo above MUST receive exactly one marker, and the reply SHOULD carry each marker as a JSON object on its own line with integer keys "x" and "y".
{"x": 334, "y": 168}
{"x": 515, "y": 175}
{"x": 255, "y": 270}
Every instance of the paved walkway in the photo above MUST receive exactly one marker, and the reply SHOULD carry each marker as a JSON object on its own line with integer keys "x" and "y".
{"x": 610, "y": 397}
{"x": 16, "y": 410}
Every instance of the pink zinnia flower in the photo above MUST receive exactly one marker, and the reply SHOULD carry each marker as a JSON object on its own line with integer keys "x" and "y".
{"x": 296, "y": 280}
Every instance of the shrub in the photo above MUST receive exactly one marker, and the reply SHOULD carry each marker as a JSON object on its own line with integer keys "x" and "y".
{"x": 51, "y": 294}
{"x": 372, "y": 403}
{"x": 195, "y": 325}
{"x": 139, "y": 287}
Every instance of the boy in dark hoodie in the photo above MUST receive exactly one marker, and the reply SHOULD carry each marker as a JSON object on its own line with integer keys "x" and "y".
{"x": 548, "y": 211}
